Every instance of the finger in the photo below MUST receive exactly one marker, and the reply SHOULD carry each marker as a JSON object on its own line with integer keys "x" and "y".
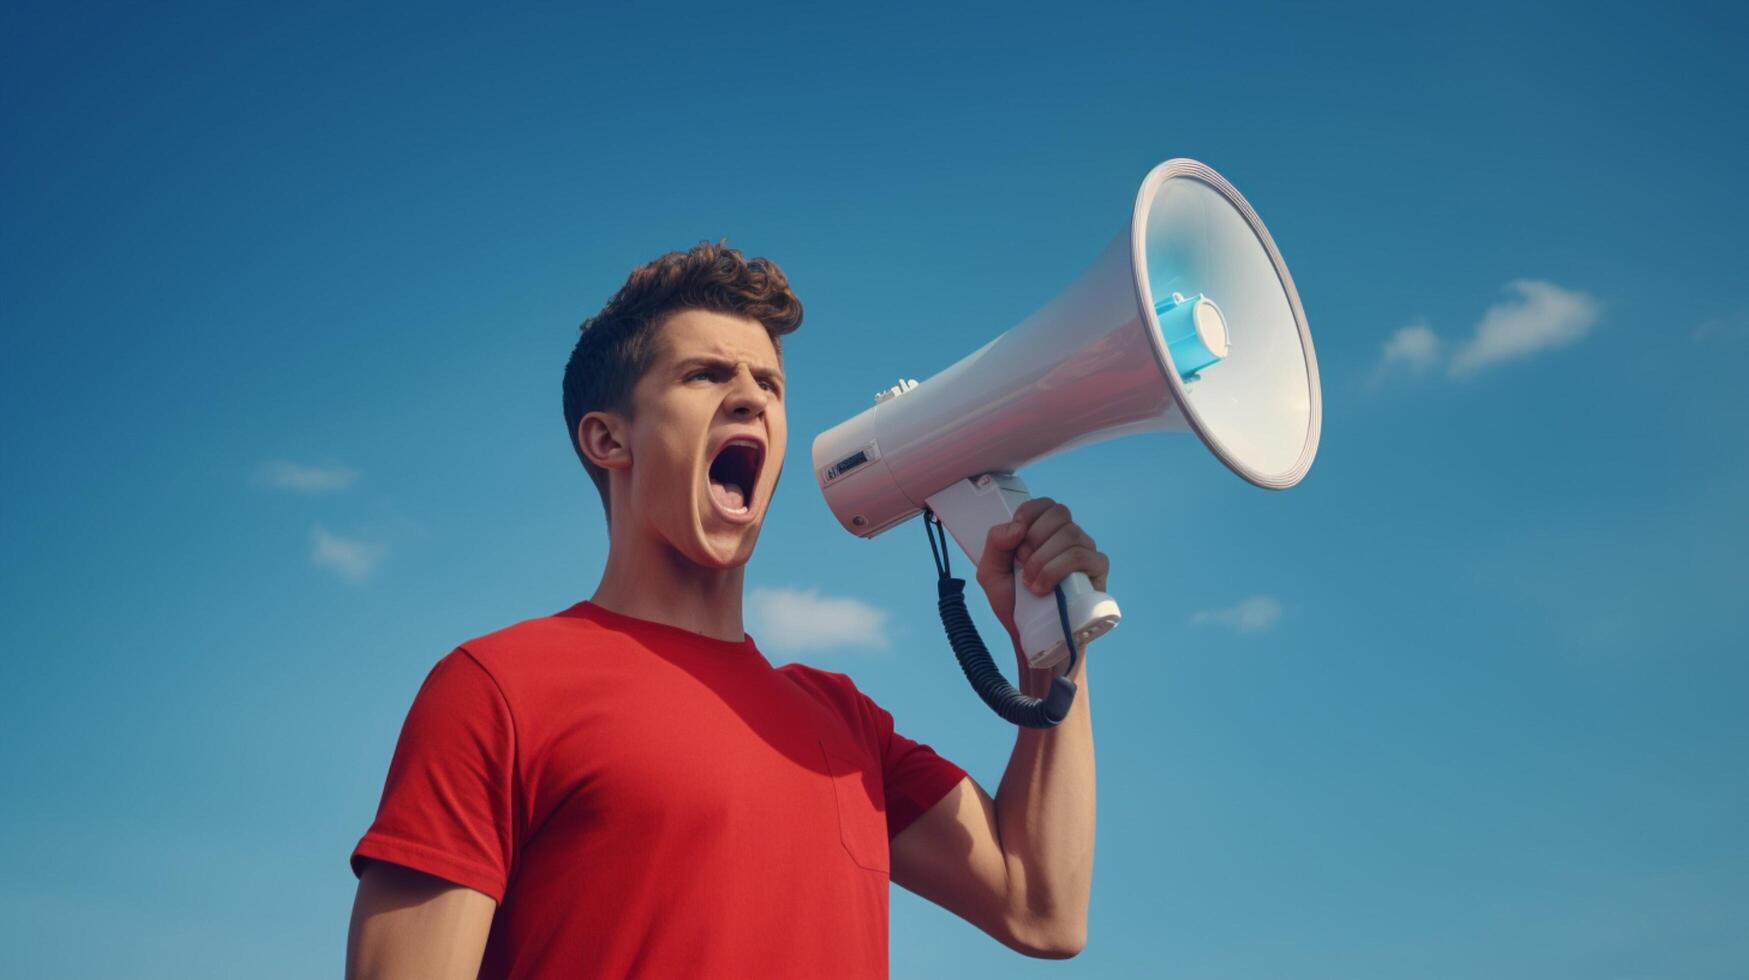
{"x": 1068, "y": 536}
{"x": 1043, "y": 526}
{"x": 1029, "y": 511}
{"x": 999, "y": 545}
{"x": 1077, "y": 559}
{"x": 1031, "y": 507}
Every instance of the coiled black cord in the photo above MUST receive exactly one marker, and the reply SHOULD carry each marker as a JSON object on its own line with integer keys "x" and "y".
{"x": 974, "y": 658}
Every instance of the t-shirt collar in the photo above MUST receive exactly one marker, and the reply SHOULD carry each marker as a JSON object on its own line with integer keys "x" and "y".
{"x": 654, "y": 631}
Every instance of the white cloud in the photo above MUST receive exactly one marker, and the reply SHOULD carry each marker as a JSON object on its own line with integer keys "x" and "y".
{"x": 1413, "y": 349}
{"x": 350, "y": 558}
{"x": 1543, "y": 316}
{"x": 1252, "y": 615}
{"x": 280, "y": 474}
{"x": 792, "y": 620}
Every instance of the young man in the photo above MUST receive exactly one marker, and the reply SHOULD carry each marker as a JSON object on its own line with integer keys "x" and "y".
{"x": 627, "y": 787}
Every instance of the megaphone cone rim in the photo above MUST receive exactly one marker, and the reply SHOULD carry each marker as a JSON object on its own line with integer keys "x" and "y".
{"x": 1185, "y": 167}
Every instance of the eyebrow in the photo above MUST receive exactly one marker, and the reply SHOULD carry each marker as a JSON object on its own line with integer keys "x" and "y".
{"x": 763, "y": 373}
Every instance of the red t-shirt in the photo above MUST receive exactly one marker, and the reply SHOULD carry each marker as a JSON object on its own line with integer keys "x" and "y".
{"x": 643, "y": 800}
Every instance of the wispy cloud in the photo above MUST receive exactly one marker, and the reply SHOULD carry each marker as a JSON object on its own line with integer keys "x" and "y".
{"x": 1723, "y": 329}
{"x": 352, "y": 559}
{"x": 281, "y": 474}
{"x": 1253, "y": 615}
{"x": 1538, "y": 316}
{"x": 1413, "y": 349}
{"x": 793, "y": 620}
{"x": 1542, "y": 316}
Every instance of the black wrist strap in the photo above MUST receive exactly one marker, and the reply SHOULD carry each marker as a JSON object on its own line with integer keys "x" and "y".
{"x": 974, "y": 658}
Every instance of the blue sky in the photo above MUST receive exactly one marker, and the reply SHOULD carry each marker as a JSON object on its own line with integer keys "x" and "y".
{"x": 287, "y": 297}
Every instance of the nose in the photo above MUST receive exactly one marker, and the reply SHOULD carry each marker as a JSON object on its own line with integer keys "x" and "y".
{"x": 746, "y": 398}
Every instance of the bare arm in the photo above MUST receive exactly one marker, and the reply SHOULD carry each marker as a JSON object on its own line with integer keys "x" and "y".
{"x": 407, "y": 925}
{"x": 1020, "y": 866}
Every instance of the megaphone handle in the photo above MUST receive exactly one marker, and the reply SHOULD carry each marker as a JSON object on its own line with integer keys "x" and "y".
{"x": 969, "y": 508}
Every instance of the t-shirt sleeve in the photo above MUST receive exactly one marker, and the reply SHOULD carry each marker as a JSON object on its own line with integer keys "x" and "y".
{"x": 916, "y": 778}
{"x": 448, "y": 804}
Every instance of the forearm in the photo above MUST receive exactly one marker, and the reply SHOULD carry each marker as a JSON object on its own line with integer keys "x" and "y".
{"x": 1045, "y": 818}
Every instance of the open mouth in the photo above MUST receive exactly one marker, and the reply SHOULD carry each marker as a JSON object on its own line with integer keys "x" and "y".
{"x": 732, "y": 476}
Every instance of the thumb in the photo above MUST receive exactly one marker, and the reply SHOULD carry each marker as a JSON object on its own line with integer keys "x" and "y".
{"x": 999, "y": 546}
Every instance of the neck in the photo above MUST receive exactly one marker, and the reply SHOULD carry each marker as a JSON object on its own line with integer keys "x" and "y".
{"x": 646, "y": 578}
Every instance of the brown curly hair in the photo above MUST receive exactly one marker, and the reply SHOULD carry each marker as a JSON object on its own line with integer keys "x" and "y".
{"x": 618, "y": 344}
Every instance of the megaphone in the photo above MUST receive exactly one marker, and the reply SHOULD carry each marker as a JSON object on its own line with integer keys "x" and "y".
{"x": 1189, "y": 322}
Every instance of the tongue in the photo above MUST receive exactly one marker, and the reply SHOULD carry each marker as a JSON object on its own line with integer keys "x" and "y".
{"x": 728, "y": 495}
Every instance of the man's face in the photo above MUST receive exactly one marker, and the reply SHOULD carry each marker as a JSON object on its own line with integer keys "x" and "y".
{"x": 715, "y": 380}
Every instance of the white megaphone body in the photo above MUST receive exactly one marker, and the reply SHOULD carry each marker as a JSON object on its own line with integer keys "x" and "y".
{"x": 1188, "y": 322}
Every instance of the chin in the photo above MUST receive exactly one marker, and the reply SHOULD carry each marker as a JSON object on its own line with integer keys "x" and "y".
{"x": 726, "y": 547}
{"x": 711, "y": 557}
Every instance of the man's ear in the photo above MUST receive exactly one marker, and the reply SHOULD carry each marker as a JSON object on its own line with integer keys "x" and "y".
{"x": 604, "y": 439}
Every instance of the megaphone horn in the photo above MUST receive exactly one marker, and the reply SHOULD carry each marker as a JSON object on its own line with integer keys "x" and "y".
{"x": 1188, "y": 322}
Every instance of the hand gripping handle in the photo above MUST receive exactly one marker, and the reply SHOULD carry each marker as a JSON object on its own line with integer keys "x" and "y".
{"x": 968, "y": 509}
